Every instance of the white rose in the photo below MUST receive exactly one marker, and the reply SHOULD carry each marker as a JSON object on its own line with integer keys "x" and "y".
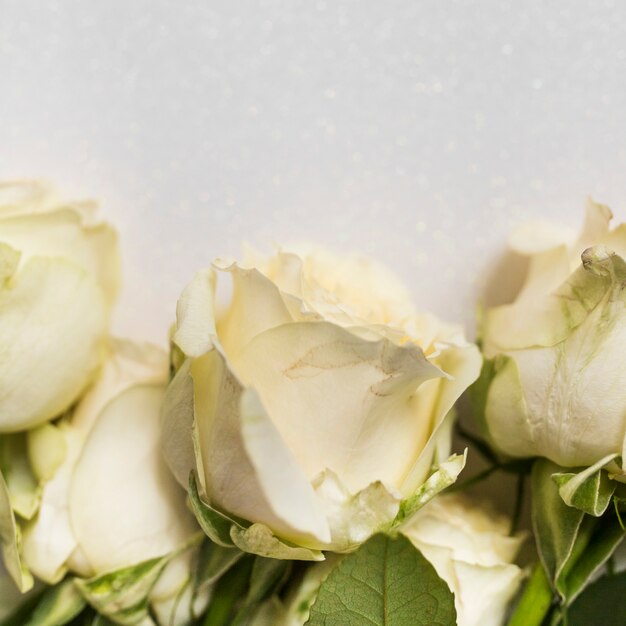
{"x": 558, "y": 389}
{"x": 58, "y": 280}
{"x": 111, "y": 502}
{"x": 315, "y": 399}
{"x": 471, "y": 550}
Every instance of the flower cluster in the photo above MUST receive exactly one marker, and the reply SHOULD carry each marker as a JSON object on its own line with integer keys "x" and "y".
{"x": 283, "y": 465}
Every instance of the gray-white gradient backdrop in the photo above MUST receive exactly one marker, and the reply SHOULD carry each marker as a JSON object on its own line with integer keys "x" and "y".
{"x": 417, "y": 132}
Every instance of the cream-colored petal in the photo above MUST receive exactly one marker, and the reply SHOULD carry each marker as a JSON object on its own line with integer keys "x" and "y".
{"x": 596, "y": 226}
{"x": 62, "y": 234}
{"x": 284, "y": 484}
{"x": 129, "y": 363}
{"x": 549, "y": 318}
{"x": 25, "y": 196}
{"x": 471, "y": 550}
{"x": 474, "y": 606}
{"x": 572, "y": 387}
{"x": 195, "y": 315}
{"x": 177, "y": 413}
{"x": 226, "y": 440}
{"x": 125, "y": 506}
{"x": 48, "y": 540}
{"x": 256, "y": 305}
{"x": 341, "y": 402}
{"x": 354, "y": 518}
{"x": 53, "y": 327}
{"x": 506, "y": 411}
{"x": 537, "y": 236}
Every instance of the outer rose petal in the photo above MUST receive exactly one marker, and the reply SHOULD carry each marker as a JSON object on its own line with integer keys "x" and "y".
{"x": 233, "y": 453}
{"x": 472, "y": 552}
{"x": 125, "y": 507}
{"x": 61, "y": 233}
{"x": 353, "y": 518}
{"x": 314, "y": 376}
{"x": 52, "y": 331}
{"x": 49, "y": 540}
{"x": 195, "y": 315}
{"x": 251, "y": 292}
{"x": 571, "y": 388}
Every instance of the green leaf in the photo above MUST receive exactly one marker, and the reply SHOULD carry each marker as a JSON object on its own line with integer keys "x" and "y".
{"x": 607, "y": 536}
{"x": 266, "y": 577}
{"x": 556, "y": 525}
{"x": 228, "y": 591}
{"x": 123, "y": 595}
{"x": 572, "y": 546}
{"x": 214, "y": 524}
{"x": 10, "y": 540}
{"x": 386, "y": 582}
{"x": 589, "y": 490}
{"x": 213, "y": 562}
{"x": 443, "y": 477}
{"x": 603, "y": 602}
{"x": 58, "y": 605}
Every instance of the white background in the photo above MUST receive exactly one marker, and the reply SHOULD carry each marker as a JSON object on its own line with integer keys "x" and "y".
{"x": 417, "y": 132}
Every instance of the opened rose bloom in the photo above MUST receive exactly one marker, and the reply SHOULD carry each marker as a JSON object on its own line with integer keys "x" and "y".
{"x": 58, "y": 281}
{"x": 106, "y": 498}
{"x": 313, "y": 406}
{"x": 558, "y": 349}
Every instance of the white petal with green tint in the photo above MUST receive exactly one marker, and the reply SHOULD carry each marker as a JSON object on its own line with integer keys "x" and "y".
{"x": 354, "y": 518}
{"x": 125, "y": 507}
{"x": 572, "y": 387}
{"x": 53, "y": 326}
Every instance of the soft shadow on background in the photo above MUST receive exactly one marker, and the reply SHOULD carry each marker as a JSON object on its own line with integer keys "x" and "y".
{"x": 416, "y": 132}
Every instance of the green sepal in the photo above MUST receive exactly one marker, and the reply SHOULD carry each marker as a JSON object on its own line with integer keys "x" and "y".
{"x": 607, "y": 534}
{"x": 572, "y": 545}
{"x": 589, "y": 490}
{"x": 215, "y": 524}
{"x": 444, "y": 476}
{"x": 123, "y": 595}
{"x": 213, "y": 562}
{"x": 58, "y": 605}
{"x": 386, "y": 582}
